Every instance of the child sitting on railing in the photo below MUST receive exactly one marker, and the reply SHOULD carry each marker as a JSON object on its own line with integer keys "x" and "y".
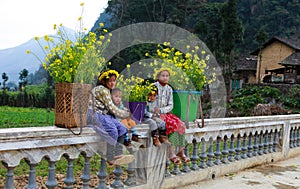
{"x": 116, "y": 95}
{"x": 102, "y": 115}
{"x": 157, "y": 125}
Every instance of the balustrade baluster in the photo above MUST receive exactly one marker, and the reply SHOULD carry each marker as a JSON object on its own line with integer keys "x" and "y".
{"x": 295, "y": 138}
{"x": 117, "y": 181}
{"x": 51, "y": 182}
{"x": 70, "y": 180}
{"x": 210, "y": 153}
{"x": 298, "y": 136}
{"x": 250, "y": 146}
{"x": 218, "y": 152}
{"x": 225, "y": 151}
{"x": 9, "y": 180}
{"x": 102, "y": 174}
{"x": 260, "y": 144}
{"x": 185, "y": 167}
{"x": 275, "y": 142}
{"x": 270, "y": 142}
{"x": 238, "y": 148}
{"x": 231, "y": 149}
{"x": 176, "y": 170}
{"x": 291, "y": 139}
{"x": 32, "y": 176}
{"x": 167, "y": 172}
{"x": 266, "y": 143}
{"x": 130, "y": 175}
{"x": 203, "y": 155}
{"x": 244, "y": 147}
{"x": 195, "y": 156}
{"x": 255, "y": 145}
{"x": 86, "y": 177}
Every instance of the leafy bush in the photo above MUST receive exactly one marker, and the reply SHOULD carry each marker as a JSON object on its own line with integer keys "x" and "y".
{"x": 245, "y": 99}
{"x": 292, "y": 98}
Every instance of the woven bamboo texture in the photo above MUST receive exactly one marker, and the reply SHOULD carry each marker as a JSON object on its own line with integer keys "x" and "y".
{"x": 71, "y": 104}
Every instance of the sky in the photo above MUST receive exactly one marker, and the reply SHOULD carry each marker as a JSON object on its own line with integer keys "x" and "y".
{"x": 21, "y": 20}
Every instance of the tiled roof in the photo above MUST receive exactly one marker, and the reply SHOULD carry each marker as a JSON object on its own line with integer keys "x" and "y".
{"x": 295, "y": 44}
{"x": 246, "y": 63}
{"x": 293, "y": 59}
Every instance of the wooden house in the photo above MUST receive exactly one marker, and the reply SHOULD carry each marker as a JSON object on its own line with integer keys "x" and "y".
{"x": 278, "y": 61}
{"x": 246, "y": 69}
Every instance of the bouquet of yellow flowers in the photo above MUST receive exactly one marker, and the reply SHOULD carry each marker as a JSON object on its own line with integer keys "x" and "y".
{"x": 188, "y": 69}
{"x": 74, "y": 61}
{"x": 134, "y": 88}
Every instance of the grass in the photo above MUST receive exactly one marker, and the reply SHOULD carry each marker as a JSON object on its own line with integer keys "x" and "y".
{"x": 12, "y": 117}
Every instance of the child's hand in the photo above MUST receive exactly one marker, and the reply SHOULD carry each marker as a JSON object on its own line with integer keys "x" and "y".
{"x": 156, "y": 110}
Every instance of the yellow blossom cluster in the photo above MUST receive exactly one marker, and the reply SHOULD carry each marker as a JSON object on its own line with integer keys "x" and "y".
{"x": 134, "y": 88}
{"x": 70, "y": 60}
{"x": 193, "y": 63}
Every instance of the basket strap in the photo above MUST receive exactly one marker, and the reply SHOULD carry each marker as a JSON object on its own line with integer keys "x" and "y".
{"x": 80, "y": 113}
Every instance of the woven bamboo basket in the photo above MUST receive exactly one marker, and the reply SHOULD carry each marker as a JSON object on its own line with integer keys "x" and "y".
{"x": 71, "y": 104}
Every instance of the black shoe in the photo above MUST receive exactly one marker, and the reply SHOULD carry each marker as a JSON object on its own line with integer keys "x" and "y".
{"x": 127, "y": 143}
{"x": 136, "y": 138}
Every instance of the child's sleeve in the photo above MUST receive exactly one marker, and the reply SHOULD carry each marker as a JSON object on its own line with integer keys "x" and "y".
{"x": 104, "y": 96}
{"x": 170, "y": 105}
{"x": 147, "y": 113}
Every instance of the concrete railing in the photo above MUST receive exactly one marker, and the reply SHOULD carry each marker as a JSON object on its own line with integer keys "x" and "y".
{"x": 223, "y": 146}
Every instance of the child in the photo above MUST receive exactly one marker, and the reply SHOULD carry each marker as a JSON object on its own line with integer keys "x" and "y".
{"x": 175, "y": 128}
{"x": 116, "y": 95}
{"x": 157, "y": 125}
{"x": 102, "y": 113}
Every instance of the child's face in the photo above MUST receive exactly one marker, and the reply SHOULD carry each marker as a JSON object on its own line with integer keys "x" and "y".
{"x": 111, "y": 82}
{"x": 116, "y": 97}
{"x": 152, "y": 97}
{"x": 164, "y": 77}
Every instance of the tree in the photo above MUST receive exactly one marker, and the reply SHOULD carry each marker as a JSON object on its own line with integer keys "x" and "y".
{"x": 5, "y": 78}
{"x": 208, "y": 27}
{"x": 232, "y": 33}
{"x": 22, "y": 84}
{"x": 261, "y": 37}
{"x": 23, "y": 79}
{"x": 4, "y": 96}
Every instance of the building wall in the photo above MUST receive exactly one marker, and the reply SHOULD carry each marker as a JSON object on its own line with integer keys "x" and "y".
{"x": 247, "y": 76}
{"x": 271, "y": 56}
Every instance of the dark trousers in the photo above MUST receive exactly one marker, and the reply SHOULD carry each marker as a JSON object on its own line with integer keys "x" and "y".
{"x": 112, "y": 151}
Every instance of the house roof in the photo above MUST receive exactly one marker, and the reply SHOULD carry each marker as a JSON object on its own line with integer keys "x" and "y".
{"x": 293, "y": 60}
{"x": 246, "y": 63}
{"x": 295, "y": 44}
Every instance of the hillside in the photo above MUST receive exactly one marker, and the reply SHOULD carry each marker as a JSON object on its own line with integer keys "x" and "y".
{"x": 203, "y": 17}
{"x": 15, "y": 59}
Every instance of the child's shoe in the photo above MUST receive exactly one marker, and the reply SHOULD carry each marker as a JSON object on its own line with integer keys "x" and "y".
{"x": 156, "y": 141}
{"x": 164, "y": 139}
{"x": 121, "y": 160}
{"x": 127, "y": 143}
{"x": 136, "y": 138}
